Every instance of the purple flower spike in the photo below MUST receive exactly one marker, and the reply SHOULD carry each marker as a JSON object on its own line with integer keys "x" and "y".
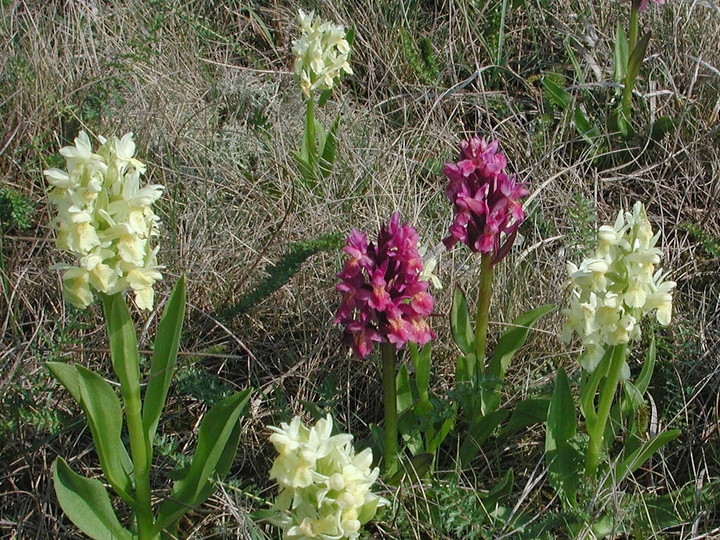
{"x": 486, "y": 199}
{"x": 384, "y": 300}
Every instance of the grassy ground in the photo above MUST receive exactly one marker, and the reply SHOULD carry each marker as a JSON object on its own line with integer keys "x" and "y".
{"x": 207, "y": 88}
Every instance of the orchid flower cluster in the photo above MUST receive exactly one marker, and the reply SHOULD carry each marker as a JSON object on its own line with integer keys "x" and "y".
{"x": 105, "y": 219}
{"x": 486, "y": 199}
{"x": 385, "y": 300}
{"x": 321, "y": 54}
{"x": 612, "y": 291}
{"x": 324, "y": 486}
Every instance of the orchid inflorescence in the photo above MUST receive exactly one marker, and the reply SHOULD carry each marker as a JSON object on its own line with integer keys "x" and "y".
{"x": 385, "y": 301}
{"x": 612, "y": 291}
{"x": 321, "y": 53}
{"x": 486, "y": 199}
{"x": 324, "y": 485}
{"x": 106, "y": 220}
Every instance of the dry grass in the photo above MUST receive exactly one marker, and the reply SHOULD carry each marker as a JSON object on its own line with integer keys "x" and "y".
{"x": 209, "y": 93}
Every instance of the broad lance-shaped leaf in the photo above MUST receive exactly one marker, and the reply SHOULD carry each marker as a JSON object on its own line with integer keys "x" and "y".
{"x": 167, "y": 343}
{"x": 460, "y": 327}
{"x": 621, "y": 55}
{"x": 123, "y": 343}
{"x": 68, "y": 377}
{"x": 509, "y": 343}
{"x": 479, "y": 430}
{"x": 563, "y": 460}
{"x": 328, "y": 149}
{"x": 216, "y": 446}
{"x": 643, "y": 380}
{"x": 526, "y": 413}
{"x": 104, "y": 416}
{"x": 85, "y": 501}
{"x": 637, "y": 459}
{"x": 589, "y": 388}
{"x": 556, "y": 94}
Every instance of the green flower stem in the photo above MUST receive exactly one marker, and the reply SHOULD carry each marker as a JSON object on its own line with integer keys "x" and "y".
{"x": 607, "y": 395}
{"x": 634, "y": 15}
{"x": 481, "y": 317}
{"x": 390, "y": 402}
{"x": 626, "y": 102}
{"x": 140, "y": 446}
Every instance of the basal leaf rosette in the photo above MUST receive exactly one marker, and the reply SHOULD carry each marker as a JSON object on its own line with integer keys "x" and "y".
{"x": 321, "y": 54}
{"x": 486, "y": 199}
{"x": 105, "y": 219}
{"x": 613, "y": 291}
{"x": 385, "y": 299}
{"x": 325, "y": 487}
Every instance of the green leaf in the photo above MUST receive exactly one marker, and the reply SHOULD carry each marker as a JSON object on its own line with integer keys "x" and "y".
{"x": 404, "y": 392}
{"x": 514, "y": 338}
{"x": 499, "y": 492}
{"x": 661, "y": 127}
{"x": 329, "y": 149}
{"x": 416, "y": 467}
{"x": 85, "y": 501}
{"x": 123, "y": 343}
{"x": 636, "y": 57}
{"x": 307, "y": 170}
{"x": 167, "y": 343}
{"x": 421, "y": 362}
{"x": 638, "y": 458}
{"x": 460, "y": 324}
{"x": 643, "y": 380}
{"x": 68, "y": 377}
{"x": 104, "y": 416}
{"x": 677, "y": 507}
{"x": 621, "y": 55}
{"x": 526, "y": 413}
{"x": 477, "y": 433}
{"x": 216, "y": 446}
{"x": 464, "y": 368}
{"x": 556, "y": 94}
{"x": 435, "y": 438}
{"x": 586, "y": 130}
{"x": 324, "y": 96}
{"x": 563, "y": 460}
{"x": 589, "y": 388}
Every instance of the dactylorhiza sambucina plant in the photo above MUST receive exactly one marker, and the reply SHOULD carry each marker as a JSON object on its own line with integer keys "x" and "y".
{"x": 105, "y": 219}
{"x": 321, "y": 59}
{"x": 325, "y": 487}
{"x": 385, "y": 301}
{"x": 610, "y": 295}
{"x": 487, "y": 204}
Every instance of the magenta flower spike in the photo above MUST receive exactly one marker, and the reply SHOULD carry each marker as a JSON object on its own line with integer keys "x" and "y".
{"x": 486, "y": 199}
{"x": 384, "y": 300}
